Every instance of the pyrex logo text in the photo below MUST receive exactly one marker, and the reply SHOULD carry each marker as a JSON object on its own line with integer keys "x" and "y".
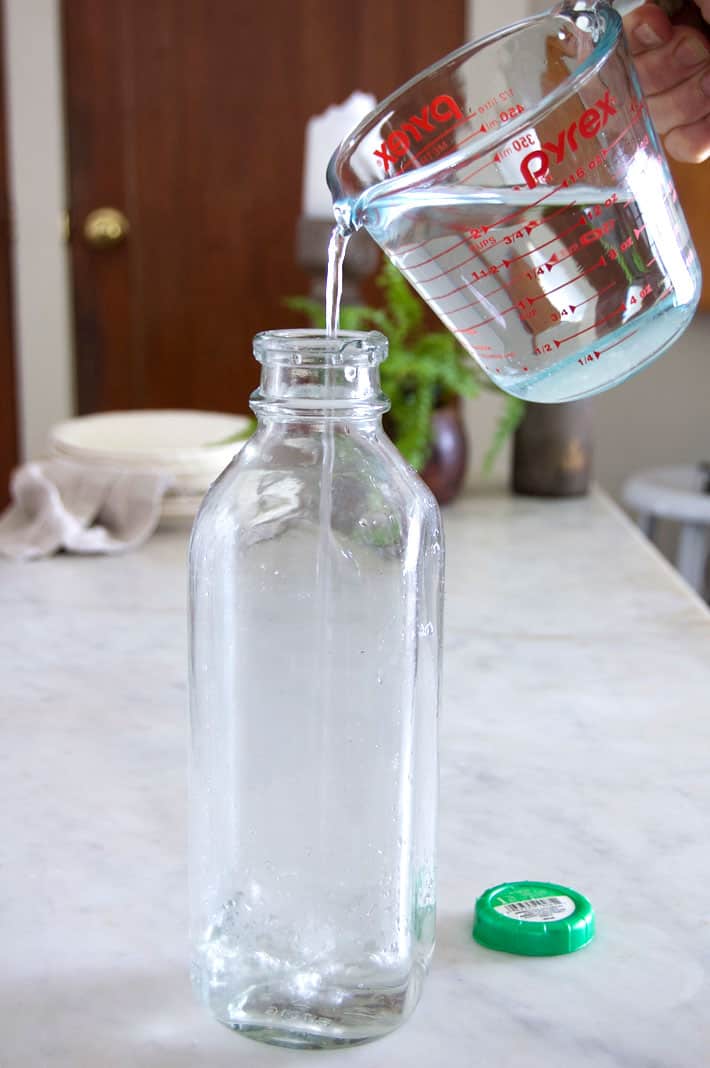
{"x": 537, "y": 164}
{"x": 441, "y": 109}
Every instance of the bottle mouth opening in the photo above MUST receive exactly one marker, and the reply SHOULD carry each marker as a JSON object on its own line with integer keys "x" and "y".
{"x": 314, "y": 348}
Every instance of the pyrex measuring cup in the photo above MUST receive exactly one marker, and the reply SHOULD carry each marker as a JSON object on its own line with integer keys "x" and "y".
{"x": 521, "y": 188}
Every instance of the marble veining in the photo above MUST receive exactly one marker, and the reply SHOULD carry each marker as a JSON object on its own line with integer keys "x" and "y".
{"x": 575, "y": 736}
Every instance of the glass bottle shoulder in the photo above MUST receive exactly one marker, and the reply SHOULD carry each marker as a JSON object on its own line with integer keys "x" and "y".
{"x": 276, "y": 482}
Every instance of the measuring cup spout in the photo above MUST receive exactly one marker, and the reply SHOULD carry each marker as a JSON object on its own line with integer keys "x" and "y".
{"x": 344, "y": 208}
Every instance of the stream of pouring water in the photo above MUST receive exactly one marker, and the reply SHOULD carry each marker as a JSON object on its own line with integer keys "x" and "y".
{"x": 327, "y": 546}
{"x": 334, "y": 279}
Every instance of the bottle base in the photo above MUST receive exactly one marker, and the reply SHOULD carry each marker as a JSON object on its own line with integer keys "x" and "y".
{"x": 298, "y": 1039}
{"x": 332, "y": 1017}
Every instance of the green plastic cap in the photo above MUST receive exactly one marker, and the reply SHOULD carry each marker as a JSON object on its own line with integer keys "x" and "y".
{"x": 533, "y": 919}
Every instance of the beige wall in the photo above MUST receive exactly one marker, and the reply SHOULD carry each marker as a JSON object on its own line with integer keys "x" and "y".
{"x": 661, "y": 416}
{"x": 36, "y": 154}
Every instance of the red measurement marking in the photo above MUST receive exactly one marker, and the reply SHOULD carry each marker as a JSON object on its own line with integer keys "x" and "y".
{"x": 583, "y": 221}
{"x": 476, "y": 304}
{"x": 526, "y": 207}
{"x": 496, "y": 355}
{"x": 601, "y": 263}
{"x": 507, "y": 239}
{"x": 469, "y": 304}
{"x": 463, "y": 307}
{"x": 555, "y": 260}
{"x": 453, "y": 292}
{"x": 490, "y": 294}
{"x": 472, "y": 174}
{"x": 498, "y": 315}
{"x": 493, "y": 268}
{"x": 625, "y": 130}
{"x": 573, "y": 307}
{"x": 483, "y": 129}
{"x": 413, "y": 247}
{"x": 457, "y": 244}
{"x": 597, "y": 322}
{"x": 652, "y": 260}
{"x": 443, "y": 274}
{"x": 594, "y": 296}
{"x": 444, "y": 252}
{"x": 527, "y": 226}
{"x": 467, "y": 285}
{"x": 481, "y": 298}
{"x": 444, "y": 133}
{"x": 620, "y": 341}
{"x": 600, "y": 352}
{"x": 559, "y": 211}
{"x": 431, "y": 259}
{"x": 637, "y": 233}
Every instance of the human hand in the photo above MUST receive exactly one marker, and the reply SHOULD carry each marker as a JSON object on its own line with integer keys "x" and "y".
{"x": 673, "y": 64}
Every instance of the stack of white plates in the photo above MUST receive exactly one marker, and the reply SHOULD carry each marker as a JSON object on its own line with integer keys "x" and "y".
{"x": 192, "y": 447}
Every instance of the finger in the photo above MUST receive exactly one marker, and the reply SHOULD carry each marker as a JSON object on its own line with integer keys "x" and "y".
{"x": 647, "y": 27}
{"x": 690, "y": 144}
{"x": 682, "y": 105}
{"x": 670, "y": 64}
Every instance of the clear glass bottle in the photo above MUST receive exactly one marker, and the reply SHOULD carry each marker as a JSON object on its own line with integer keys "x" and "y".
{"x": 315, "y": 588}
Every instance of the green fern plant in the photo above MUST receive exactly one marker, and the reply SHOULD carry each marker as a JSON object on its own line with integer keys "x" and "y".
{"x": 424, "y": 369}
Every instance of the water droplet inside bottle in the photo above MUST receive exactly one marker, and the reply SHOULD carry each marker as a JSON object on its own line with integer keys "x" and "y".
{"x": 425, "y": 629}
{"x": 296, "y": 358}
{"x": 350, "y": 373}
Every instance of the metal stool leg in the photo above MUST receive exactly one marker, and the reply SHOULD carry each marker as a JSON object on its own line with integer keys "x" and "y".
{"x": 647, "y": 524}
{"x": 691, "y": 557}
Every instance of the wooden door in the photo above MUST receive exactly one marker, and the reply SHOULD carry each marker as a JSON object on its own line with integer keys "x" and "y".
{"x": 691, "y": 181}
{"x": 189, "y": 117}
{"x": 8, "y": 411}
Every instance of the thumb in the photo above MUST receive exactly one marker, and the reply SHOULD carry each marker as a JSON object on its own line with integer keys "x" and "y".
{"x": 648, "y": 27}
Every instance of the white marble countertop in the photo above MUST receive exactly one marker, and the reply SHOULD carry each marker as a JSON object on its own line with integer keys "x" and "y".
{"x": 575, "y": 743}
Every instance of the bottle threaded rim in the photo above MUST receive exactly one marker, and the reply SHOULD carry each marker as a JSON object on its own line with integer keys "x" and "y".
{"x": 314, "y": 348}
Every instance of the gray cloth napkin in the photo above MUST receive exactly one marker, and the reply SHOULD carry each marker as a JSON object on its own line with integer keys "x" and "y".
{"x": 58, "y": 504}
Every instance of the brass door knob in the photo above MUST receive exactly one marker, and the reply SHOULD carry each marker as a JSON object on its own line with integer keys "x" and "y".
{"x": 105, "y": 227}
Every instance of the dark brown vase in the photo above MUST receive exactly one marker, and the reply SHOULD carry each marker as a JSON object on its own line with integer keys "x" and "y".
{"x": 445, "y": 469}
{"x": 552, "y": 450}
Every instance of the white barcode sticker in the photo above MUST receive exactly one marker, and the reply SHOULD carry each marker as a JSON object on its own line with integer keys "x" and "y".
{"x": 538, "y": 909}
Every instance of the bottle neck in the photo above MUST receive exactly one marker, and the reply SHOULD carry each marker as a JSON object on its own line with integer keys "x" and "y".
{"x": 335, "y": 393}
{"x": 308, "y": 377}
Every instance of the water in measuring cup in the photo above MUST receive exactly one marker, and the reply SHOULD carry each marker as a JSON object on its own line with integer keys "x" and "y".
{"x": 557, "y": 293}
